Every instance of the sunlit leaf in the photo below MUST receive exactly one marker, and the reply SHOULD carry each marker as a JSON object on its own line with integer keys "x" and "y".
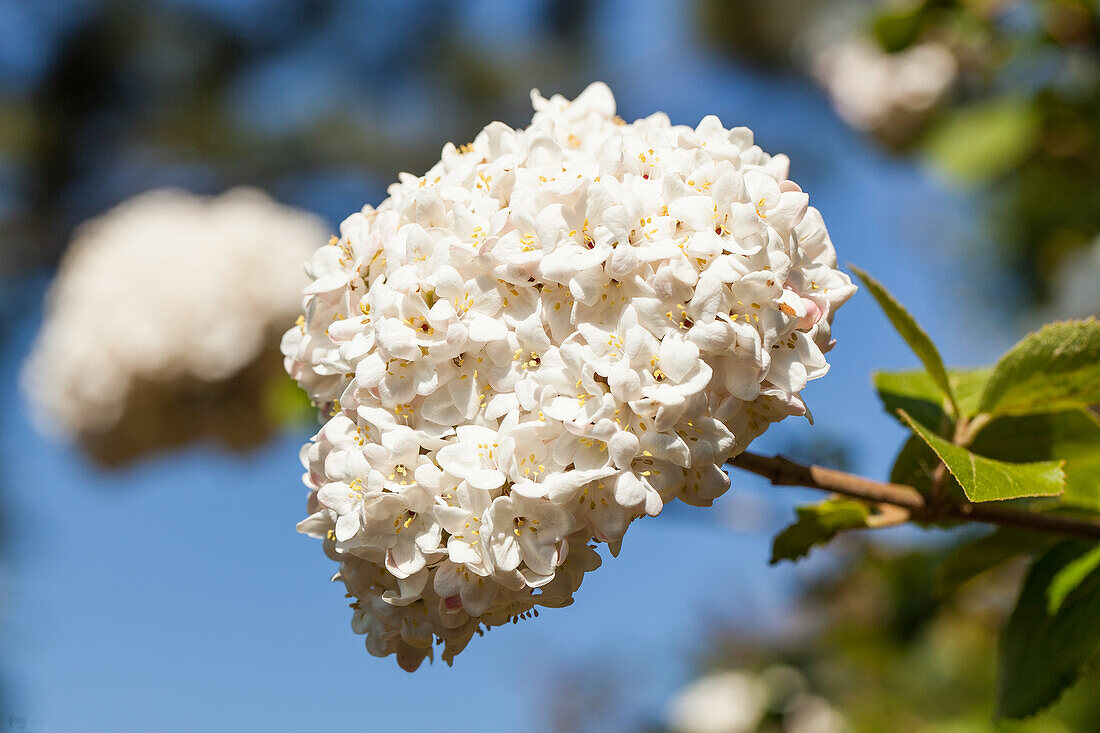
{"x": 1071, "y": 435}
{"x": 968, "y": 385}
{"x": 1054, "y": 368}
{"x": 986, "y": 479}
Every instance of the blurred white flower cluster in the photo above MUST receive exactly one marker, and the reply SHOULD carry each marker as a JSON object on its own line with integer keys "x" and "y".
{"x": 723, "y": 702}
{"x": 738, "y": 702}
{"x": 167, "y": 285}
{"x": 875, "y": 90}
{"x": 552, "y": 332}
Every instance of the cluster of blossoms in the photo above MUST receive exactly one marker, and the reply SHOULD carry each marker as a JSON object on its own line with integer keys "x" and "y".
{"x": 552, "y": 332}
{"x": 167, "y": 286}
{"x": 885, "y": 93}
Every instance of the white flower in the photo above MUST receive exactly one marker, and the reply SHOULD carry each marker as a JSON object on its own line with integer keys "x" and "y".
{"x": 551, "y": 333}
{"x": 529, "y": 531}
{"x": 461, "y": 520}
{"x": 166, "y": 289}
{"x": 874, "y": 90}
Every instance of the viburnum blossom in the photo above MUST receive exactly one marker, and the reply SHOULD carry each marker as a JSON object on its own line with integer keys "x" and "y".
{"x": 551, "y": 333}
{"x": 166, "y": 291}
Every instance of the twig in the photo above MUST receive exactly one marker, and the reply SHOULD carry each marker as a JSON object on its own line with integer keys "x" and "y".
{"x": 782, "y": 471}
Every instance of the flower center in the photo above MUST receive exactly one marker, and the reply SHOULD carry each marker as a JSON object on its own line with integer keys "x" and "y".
{"x": 408, "y": 518}
{"x": 520, "y": 522}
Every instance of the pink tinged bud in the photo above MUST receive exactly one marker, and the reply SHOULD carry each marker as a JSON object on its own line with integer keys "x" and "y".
{"x": 452, "y": 603}
{"x": 813, "y": 315}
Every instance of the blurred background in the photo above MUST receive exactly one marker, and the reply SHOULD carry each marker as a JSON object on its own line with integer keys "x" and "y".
{"x": 953, "y": 147}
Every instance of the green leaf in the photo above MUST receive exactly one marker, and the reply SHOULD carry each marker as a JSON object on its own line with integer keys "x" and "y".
{"x": 969, "y": 385}
{"x": 985, "y": 479}
{"x": 913, "y": 334}
{"x": 1055, "y": 368}
{"x": 1042, "y": 653}
{"x": 816, "y": 524}
{"x": 971, "y": 559}
{"x": 1070, "y": 577}
{"x": 984, "y": 140}
{"x": 916, "y": 393}
{"x": 915, "y": 465}
{"x": 1071, "y": 435}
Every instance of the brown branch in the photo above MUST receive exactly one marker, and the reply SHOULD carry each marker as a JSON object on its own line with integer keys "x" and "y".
{"x": 782, "y": 471}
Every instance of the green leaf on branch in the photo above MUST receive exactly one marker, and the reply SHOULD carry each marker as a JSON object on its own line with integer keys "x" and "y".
{"x": 816, "y": 524}
{"x": 1070, "y": 577}
{"x": 1071, "y": 435}
{"x": 915, "y": 392}
{"x": 986, "y": 479}
{"x": 1043, "y": 653}
{"x": 914, "y": 335}
{"x": 1055, "y": 368}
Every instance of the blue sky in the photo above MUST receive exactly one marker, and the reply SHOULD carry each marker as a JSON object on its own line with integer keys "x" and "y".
{"x": 176, "y": 596}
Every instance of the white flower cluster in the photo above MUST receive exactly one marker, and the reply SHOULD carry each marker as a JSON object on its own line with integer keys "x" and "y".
{"x": 874, "y": 90}
{"x": 552, "y": 332}
{"x": 166, "y": 285}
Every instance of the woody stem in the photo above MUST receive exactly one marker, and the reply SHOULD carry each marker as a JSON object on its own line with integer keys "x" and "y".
{"x": 782, "y": 471}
